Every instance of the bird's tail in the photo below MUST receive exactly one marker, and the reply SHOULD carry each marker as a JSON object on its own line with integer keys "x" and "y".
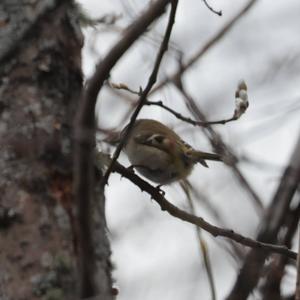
{"x": 202, "y": 156}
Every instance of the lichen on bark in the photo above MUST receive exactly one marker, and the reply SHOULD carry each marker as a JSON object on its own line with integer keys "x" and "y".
{"x": 40, "y": 84}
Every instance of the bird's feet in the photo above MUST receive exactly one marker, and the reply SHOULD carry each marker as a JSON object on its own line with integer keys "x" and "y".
{"x": 131, "y": 168}
{"x": 162, "y": 192}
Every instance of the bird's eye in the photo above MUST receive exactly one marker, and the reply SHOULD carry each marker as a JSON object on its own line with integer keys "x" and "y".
{"x": 157, "y": 138}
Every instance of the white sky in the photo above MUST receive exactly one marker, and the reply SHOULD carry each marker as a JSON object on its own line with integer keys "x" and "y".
{"x": 156, "y": 256}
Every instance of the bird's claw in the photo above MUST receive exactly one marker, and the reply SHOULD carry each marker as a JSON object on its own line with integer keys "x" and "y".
{"x": 130, "y": 169}
{"x": 162, "y": 192}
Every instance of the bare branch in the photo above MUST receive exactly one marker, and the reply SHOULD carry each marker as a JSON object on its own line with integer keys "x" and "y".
{"x": 157, "y": 196}
{"x": 217, "y": 12}
{"x": 273, "y": 220}
{"x": 215, "y": 139}
{"x": 84, "y": 142}
{"x": 143, "y": 97}
{"x": 276, "y": 269}
{"x": 174, "y": 112}
{"x": 187, "y": 119}
{"x": 205, "y": 48}
{"x": 201, "y": 243}
{"x": 219, "y": 146}
{"x": 297, "y": 296}
{"x": 234, "y": 249}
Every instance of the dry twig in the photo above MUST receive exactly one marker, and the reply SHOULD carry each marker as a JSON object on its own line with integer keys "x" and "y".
{"x": 143, "y": 95}
{"x": 274, "y": 216}
{"x": 172, "y": 111}
{"x": 202, "y": 243}
{"x": 158, "y": 196}
{"x": 217, "y": 12}
{"x": 190, "y": 61}
{"x": 297, "y": 296}
{"x": 219, "y": 145}
{"x": 277, "y": 267}
{"x": 84, "y": 144}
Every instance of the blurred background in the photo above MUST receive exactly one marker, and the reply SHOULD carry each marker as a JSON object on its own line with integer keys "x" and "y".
{"x": 157, "y": 256}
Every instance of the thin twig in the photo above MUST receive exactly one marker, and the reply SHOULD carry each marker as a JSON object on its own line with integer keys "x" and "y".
{"x": 189, "y": 120}
{"x": 204, "y": 48}
{"x": 220, "y": 146}
{"x": 202, "y": 244}
{"x": 84, "y": 145}
{"x": 297, "y": 295}
{"x": 158, "y": 196}
{"x": 172, "y": 111}
{"x": 217, "y": 12}
{"x": 215, "y": 139}
{"x": 276, "y": 269}
{"x": 143, "y": 97}
{"x": 273, "y": 220}
{"x": 234, "y": 249}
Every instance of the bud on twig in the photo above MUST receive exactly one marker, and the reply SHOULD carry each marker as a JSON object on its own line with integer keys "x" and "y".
{"x": 241, "y": 100}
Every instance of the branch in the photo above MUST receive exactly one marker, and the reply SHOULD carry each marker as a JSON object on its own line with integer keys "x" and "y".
{"x": 234, "y": 249}
{"x": 273, "y": 220}
{"x": 84, "y": 142}
{"x": 179, "y": 116}
{"x": 143, "y": 97}
{"x": 297, "y": 296}
{"x": 201, "y": 242}
{"x": 214, "y": 138}
{"x": 189, "y": 120}
{"x": 158, "y": 196}
{"x": 219, "y": 145}
{"x": 217, "y": 12}
{"x": 205, "y": 48}
{"x": 276, "y": 269}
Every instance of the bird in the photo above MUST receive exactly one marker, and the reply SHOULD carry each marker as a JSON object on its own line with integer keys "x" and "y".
{"x": 159, "y": 154}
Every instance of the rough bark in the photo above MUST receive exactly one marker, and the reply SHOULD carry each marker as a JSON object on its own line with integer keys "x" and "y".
{"x": 40, "y": 83}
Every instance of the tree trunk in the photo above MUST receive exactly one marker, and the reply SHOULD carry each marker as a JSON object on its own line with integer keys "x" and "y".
{"x": 40, "y": 84}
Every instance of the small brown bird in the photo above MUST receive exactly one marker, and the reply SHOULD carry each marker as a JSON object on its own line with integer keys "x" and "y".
{"x": 160, "y": 155}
